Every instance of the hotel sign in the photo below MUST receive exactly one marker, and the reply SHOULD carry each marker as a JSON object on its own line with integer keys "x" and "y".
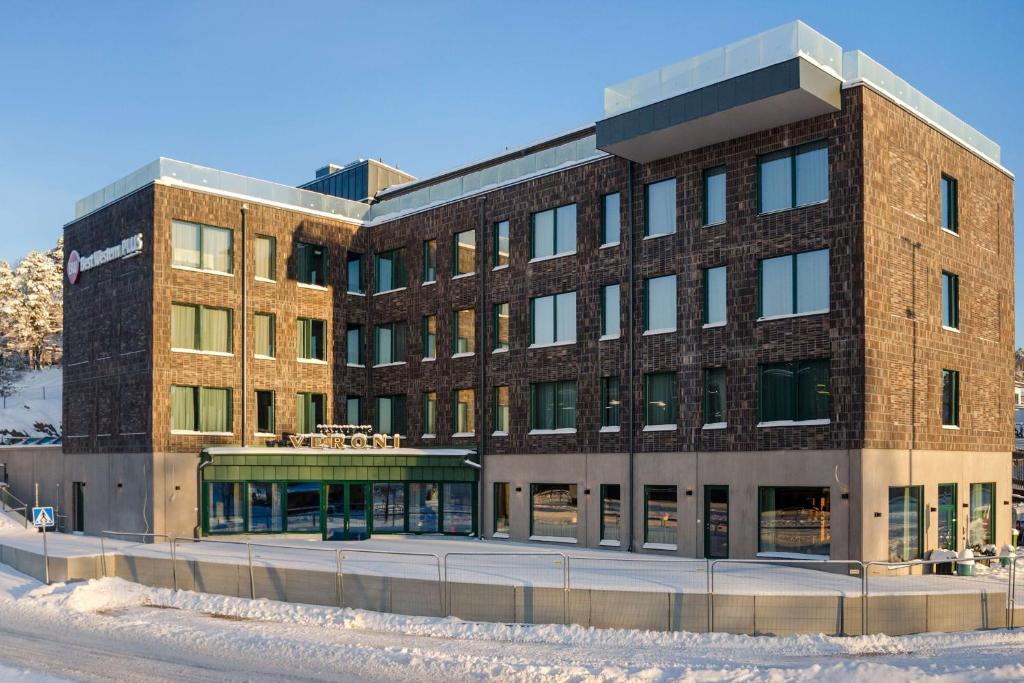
{"x": 344, "y": 437}
{"x": 129, "y": 246}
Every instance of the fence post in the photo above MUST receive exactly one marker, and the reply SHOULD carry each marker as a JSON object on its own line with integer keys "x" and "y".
{"x": 865, "y": 592}
{"x": 252, "y": 580}
{"x": 447, "y": 589}
{"x": 103, "y": 555}
{"x": 440, "y": 588}
{"x": 711, "y": 595}
{"x": 337, "y": 576}
{"x": 341, "y": 574}
{"x": 174, "y": 562}
{"x": 565, "y": 590}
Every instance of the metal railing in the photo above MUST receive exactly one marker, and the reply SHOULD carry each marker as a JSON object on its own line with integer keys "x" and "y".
{"x": 114, "y": 535}
{"x": 11, "y": 503}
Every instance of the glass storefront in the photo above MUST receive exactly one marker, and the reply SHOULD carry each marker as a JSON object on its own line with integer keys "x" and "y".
{"x": 303, "y": 507}
{"x": 388, "y": 507}
{"x": 227, "y": 514}
{"x": 906, "y": 523}
{"x": 981, "y": 527}
{"x": 661, "y": 523}
{"x": 264, "y": 507}
{"x": 553, "y": 510}
{"x": 458, "y": 508}
{"x": 795, "y": 520}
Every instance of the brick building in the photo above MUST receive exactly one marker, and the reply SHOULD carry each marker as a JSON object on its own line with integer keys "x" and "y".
{"x": 763, "y": 306}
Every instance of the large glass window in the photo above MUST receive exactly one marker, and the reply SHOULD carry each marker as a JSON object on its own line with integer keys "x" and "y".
{"x": 429, "y": 413}
{"x": 660, "y": 304}
{"x": 794, "y": 520}
{"x": 464, "y": 412}
{"x": 354, "y": 345}
{"x": 389, "y": 343}
{"x": 981, "y": 530}
{"x": 610, "y": 311}
{"x": 501, "y": 507}
{"x": 201, "y": 409}
{"x": 312, "y": 338}
{"x": 264, "y": 411}
{"x": 660, "y": 399}
{"x": 714, "y": 196}
{"x": 714, "y": 397}
{"x": 264, "y": 335}
{"x": 389, "y": 271}
{"x": 553, "y": 405}
{"x": 714, "y": 296}
{"x": 611, "y": 219}
{"x": 226, "y": 511}
{"x": 793, "y": 177}
{"x": 265, "y": 258}
{"x": 390, "y": 415}
{"x": 948, "y": 514}
{"x": 501, "y": 319}
{"x": 458, "y": 508}
{"x": 464, "y": 253}
{"x": 430, "y": 261}
{"x": 611, "y": 514}
{"x": 610, "y": 402}
{"x": 201, "y": 246}
{"x": 265, "y": 507}
{"x": 355, "y": 273}
{"x": 311, "y": 410}
{"x": 501, "y": 410}
{"x": 553, "y": 510}
{"x": 423, "y": 508}
{"x": 661, "y": 519}
{"x": 303, "y": 507}
{"x": 906, "y": 523}
{"x": 388, "y": 507}
{"x": 660, "y": 218}
{"x": 553, "y": 232}
{"x": 429, "y": 336}
{"x": 502, "y": 245}
{"x": 950, "y": 398}
{"x": 200, "y": 328}
{"x": 464, "y": 332}
{"x": 311, "y": 264}
{"x": 950, "y": 204}
{"x": 950, "y": 301}
{"x": 795, "y": 284}
{"x": 553, "y": 319}
{"x": 795, "y": 391}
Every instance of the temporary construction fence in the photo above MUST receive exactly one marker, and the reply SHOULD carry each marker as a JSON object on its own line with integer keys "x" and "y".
{"x": 757, "y": 596}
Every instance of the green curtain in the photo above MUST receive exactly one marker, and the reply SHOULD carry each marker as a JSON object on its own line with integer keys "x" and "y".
{"x": 215, "y": 330}
{"x": 302, "y": 413}
{"x": 430, "y": 413}
{"x": 217, "y": 249}
{"x": 661, "y": 400}
{"x": 566, "y": 415}
{"x": 214, "y": 410}
{"x": 264, "y": 328}
{"x": 183, "y": 408}
{"x": 777, "y": 393}
{"x": 183, "y": 326}
{"x": 185, "y": 244}
{"x": 305, "y": 335}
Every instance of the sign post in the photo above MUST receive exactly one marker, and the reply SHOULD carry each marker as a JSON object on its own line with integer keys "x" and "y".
{"x": 42, "y": 517}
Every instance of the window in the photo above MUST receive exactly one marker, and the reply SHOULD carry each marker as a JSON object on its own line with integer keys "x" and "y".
{"x": 714, "y": 196}
{"x": 356, "y": 276}
{"x": 502, "y": 245}
{"x": 948, "y": 510}
{"x": 950, "y": 204}
{"x": 389, "y": 271}
{"x": 950, "y": 301}
{"x": 796, "y": 391}
{"x": 501, "y": 508}
{"x": 429, "y": 337}
{"x": 311, "y": 264}
{"x": 714, "y": 296}
{"x": 354, "y": 410}
{"x": 424, "y": 506}
{"x": 501, "y": 410}
{"x": 388, "y": 507}
{"x": 390, "y": 415}
{"x": 457, "y": 512}
{"x": 200, "y": 409}
{"x": 794, "y": 284}
{"x": 354, "y": 345}
{"x": 312, "y": 339}
{"x": 429, "y": 261}
{"x": 389, "y": 343}
{"x": 950, "y": 398}
{"x": 610, "y": 311}
{"x": 553, "y": 406}
{"x": 553, "y": 319}
{"x": 611, "y": 514}
{"x": 464, "y": 253}
{"x": 611, "y": 219}
{"x": 793, "y": 177}
{"x": 464, "y": 412}
{"x": 660, "y": 218}
{"x": 661, "y": 518}
{"x": 429, "y": 413}
{"x": 610, "y": 402}
{"x": 266, "y": 258}
{"x": 906, "y": 523}
{"x": 264, "y": 333}
{"x": 265, "y": 412}
{"x": 660, "y": 399}
{"x": 464, "y": 334}
{"x": 981, "y": 530}
{"x": 265, "y": 507}
{"x": 553, "y": 232}
{"x": 199, "y": 328}
{"x": 501, "y": 327}
{"x": 660, "y": 304}
{"x": 311, "y": 410}
{"x": 714, "y": 397}
{"x": 794, "y": 520}
{"x": 202, "y": 247}
{"x": 553, "y": 509}
{"x": 302, "y": 506}
{"x": 225, "y": 511}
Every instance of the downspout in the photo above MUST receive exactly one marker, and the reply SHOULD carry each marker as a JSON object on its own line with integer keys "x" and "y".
{"x": 244, "y": 326}
{"x": 631, "y": 425}
{"x": 483, "y": 369}
{"x": 204, "y": 460}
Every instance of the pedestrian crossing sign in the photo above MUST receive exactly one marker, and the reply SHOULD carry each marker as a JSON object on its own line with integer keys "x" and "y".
{"x": 42, "y": 516}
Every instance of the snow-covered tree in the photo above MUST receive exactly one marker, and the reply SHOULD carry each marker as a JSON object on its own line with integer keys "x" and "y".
{"x": 35, "y": 319}
{"x": 8, "y": 294}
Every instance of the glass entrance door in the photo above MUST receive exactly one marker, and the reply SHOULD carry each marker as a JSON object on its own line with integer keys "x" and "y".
{"x": 78, "y": 506}
{"x": 947, "y": 517}
{"x": 345, "y": 514}
{"x": 334, "y": 517}
{"x": 357, "y": 509}
{"x": 716, "y": 522}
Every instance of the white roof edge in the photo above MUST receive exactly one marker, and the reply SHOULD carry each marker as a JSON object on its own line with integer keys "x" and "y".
{"x": 305, "y": 450}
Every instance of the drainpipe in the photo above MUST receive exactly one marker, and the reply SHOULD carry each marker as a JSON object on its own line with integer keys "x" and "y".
{"x": 483, "y": 369}
{"x": 204, "y": 460}
{"x": 631, "y": 364}
{"x": 244, "y": 326}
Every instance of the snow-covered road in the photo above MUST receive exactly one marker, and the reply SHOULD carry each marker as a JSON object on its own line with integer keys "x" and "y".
{"x": 114, "y": 630}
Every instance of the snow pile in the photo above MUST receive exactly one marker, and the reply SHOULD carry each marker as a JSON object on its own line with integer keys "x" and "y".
{"x": 37, "y": 399}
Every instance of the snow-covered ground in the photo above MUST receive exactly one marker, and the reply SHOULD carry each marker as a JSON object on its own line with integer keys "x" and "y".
{"x": 37, "y": 399}
{"x": 113, "y": 630}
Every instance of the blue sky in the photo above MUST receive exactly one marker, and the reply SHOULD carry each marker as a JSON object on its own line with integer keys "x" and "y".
{"x": 92, "y": 91}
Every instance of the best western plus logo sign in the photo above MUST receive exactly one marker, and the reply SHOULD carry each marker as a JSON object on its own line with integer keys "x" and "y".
{"x": 129, "y": 246}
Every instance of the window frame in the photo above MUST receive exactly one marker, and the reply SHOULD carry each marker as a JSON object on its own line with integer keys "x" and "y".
{"x": 507, "y": 487}
{"x": 273, "y": 258}
{"x": 657, "y": 545}
{"x": 605, "y": 334}
{"x": 496, "y": 262}
{"x": 307, "y": 325}
{"x": 954, "y": 399}
{"x": 603, "y": 236}
{"x": 273, "y": 336}
{"x": 708, "y": 174}
{"x": 499, "y": 345}
{"x": 605, "y": 387}
{"x": 360, "y": 346}
{"x": 399, "y": 348}
{"x": 426, "y": 335}
{"x": 707, "y": 297}
{"x": 949, "y": 188}
{"x": 197, "y": 410}
{"x": 647, "y": 305}
{"x": 427, "y": 400}
{"x": 706, "y": 397}
{"x": 399, "y": 272}
{"x": 429, "y": 261}
{"x": 456, "y": 271}
{"x": 950, "y": 294}
{"x": 197, "y": 332}
{"x": 302, "y": 278}
{"x": 673, "y": 407}
{"x": 647, "y": 207}
{"x": 455, "y": 333}
{"x": 361, "y": 279}
{"x": 920, "y": 521}
{"x": 602, "y": 539}
{"x": 559, "y": 386}
{"x": 306, "y": 403}
{"x": 554, "y": 320}
{"x": 570, "y": 488}
{"x": 399, "y": 419}
{"x": 792, "y": 153}
{"x": 497, "y": 410}
{"x": 795, "y": 278}
{"x": 554, "y": 233}
{"x": 794, "y": 399}
{"x": 200, "y": 243}
{"x": 820, "y": 491}
{"x": 470, "y": 414}
{"x": 273, "y": 413}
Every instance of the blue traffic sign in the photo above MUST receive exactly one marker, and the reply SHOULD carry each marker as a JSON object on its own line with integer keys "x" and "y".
{"x": 42, "y": 516}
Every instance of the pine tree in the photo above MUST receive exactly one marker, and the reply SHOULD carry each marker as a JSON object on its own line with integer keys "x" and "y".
{"x": 36, "y": 317}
